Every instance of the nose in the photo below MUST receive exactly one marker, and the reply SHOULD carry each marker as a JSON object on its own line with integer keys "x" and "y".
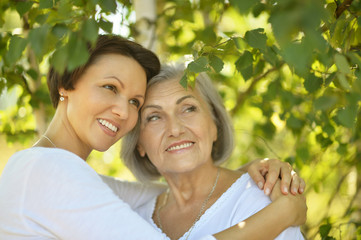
{"x": 121, "y": 108}
{"x": 175, "y": 127}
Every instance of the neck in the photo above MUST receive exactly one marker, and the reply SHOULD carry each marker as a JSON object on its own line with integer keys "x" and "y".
{"x": 64, "y": 137}
{"x": 186, "y": 188}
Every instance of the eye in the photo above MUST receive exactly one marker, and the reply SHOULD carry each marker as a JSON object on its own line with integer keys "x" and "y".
{"x": 135, "y": 102}
{"x": 191, "y": 109}
{"x": 151, "y": 118}
{"x": 110, "y": 87}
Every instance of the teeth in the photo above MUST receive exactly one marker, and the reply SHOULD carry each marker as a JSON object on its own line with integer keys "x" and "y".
{"x": 108, "y": 125}
{"x": 185, "y": 145}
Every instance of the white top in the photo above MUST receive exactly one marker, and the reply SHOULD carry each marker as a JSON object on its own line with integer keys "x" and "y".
{"x": 48, "y": 193}
{"x": 240, "y": 201}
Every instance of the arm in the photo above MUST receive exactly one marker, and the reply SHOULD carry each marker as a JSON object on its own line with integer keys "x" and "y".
{"x": 275, "y": 169}
{"x": 133, "y": 193}
{"x": 286, "y": 211}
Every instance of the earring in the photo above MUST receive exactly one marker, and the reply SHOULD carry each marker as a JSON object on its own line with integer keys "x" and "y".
{"x": 61, "y": 97}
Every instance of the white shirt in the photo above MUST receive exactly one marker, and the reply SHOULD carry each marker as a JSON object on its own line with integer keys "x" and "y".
{"x": 240, "y": 201}
{"x": 48, "y": 193}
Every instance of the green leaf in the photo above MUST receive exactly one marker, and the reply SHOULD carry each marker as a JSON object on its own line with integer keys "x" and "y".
{"x": 198, "y": 65}
{"x": 106, "y": 26}
{"x": 244, "y": 65}
{"x": 184, "y": 81}
{"x": 325, "y": 102}
{"x": 59, "y": 59}
{"x": 256, "y": 38}
{"x": 216, "y": 63}
{"x": 325, "y": 230}
{"x": 37, "y": 38}
{"x": 24, "y": 7}
{"x": 78, "y": 51}
{"x": 59, "y": 30}
{"x": 90, "y": 30}
{"x": 270, "y": 56}
{"x": 16, "y": 48}
{"x": 45, "y": 4}
{"x": 347, "y": 116}
{"x": 294, "y": 123}
{"x": 298, "y": 56}
{"x": 243, "y": 6}
{"x": 41, "y": 19}
{"x": 244, "y": 61}
{"x": 342, "y": 64}
{"x": 108, "y": 5}
{"x": 313, "y": 83}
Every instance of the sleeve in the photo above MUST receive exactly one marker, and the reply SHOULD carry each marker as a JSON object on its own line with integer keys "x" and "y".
{"x": 66, "y": 199}
{"x": 252, "y": 201}
{"x": 133, "y": 193}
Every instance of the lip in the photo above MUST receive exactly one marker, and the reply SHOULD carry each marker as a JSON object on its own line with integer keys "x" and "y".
{"x": 179, "y": 144}
{"x": 107, "y": 130}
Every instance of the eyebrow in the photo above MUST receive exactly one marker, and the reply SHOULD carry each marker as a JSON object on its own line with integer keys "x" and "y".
{"x": 184, "y": 98}
{"x": 177, "y": 102}
{"x": 120, "y": 82}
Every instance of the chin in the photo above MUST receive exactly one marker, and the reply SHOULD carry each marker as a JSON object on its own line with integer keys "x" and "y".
{"x": 102, "y": 148}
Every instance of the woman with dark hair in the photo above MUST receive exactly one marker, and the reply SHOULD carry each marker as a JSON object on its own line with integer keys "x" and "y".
{"x": 49, "y": 191}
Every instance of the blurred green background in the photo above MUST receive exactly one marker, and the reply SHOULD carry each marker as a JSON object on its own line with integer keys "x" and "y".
{"x": 288, "y": 71}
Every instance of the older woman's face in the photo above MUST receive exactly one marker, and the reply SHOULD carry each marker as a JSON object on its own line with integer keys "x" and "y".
{"x": 177, "y": 130}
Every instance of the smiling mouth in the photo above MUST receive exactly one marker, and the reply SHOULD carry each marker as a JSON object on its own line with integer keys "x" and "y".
{"x": 178, "y": 147}
{"x": 108, "y": 125}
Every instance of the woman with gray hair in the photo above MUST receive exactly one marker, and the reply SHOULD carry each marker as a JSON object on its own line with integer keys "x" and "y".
{"x": 184, "y": 135}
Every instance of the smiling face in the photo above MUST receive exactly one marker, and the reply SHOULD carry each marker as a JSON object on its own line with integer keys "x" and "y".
{"x": 177, "y": 131}
{"x": 104, "y": 105}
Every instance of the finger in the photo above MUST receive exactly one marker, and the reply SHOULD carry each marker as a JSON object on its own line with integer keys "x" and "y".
{"x": 272, "y": 177}
{"x": 302, "y": 187}
{"x": 286, "y": 178}
{"x": 295, "y": 185}
{"x": 257, "y": 176}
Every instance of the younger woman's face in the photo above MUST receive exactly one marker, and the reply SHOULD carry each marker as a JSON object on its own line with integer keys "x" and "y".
{"x": 104, "y": 105}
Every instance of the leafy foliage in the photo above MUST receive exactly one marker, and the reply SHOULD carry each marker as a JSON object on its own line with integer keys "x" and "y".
{"x": 288, "y": 70}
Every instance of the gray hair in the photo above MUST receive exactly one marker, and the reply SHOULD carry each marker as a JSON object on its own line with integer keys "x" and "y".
{"x": 141, "y": 167}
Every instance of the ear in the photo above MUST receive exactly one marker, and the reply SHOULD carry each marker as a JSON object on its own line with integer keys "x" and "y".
{"x": 141, "y": 150}
{"x": 63, "y": 91}
{"x": 214, "y": 130}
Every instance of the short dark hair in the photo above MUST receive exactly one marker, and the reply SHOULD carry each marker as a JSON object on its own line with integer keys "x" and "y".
{"x": 106, "y": 44}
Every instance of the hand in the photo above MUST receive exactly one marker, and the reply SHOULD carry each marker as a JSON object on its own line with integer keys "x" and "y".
{"x": 275, "y": 169}
{"x": 293, "y": 205}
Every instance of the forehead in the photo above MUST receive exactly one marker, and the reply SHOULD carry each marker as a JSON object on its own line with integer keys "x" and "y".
{"x": 167, "y": 89}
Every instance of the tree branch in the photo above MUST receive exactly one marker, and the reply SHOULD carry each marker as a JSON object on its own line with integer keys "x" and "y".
{"x": 342, "y": 7}
{"x": 242, "y": 96}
